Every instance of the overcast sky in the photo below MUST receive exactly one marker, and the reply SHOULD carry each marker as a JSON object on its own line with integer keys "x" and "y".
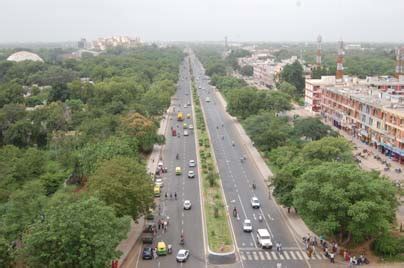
{"x": 200, "y": 20}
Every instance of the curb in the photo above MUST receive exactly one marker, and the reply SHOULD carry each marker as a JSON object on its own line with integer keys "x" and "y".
{"x": 216, "y": 257}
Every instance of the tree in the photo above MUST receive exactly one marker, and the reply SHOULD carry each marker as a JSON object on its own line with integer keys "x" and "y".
{"x": 293, "y": 74}
{"x": 277, "y": 101}
{"x": 338, "y": 198}
{"x": 24, "y": 207}
{"x": 311, "y": 128}
{"x": 288, "y": 89}
{"x": 59, "y": 92}
{"x": 142, "y": 128}
{"x": 93, "y": 154}
{"x": 124, "y": 185}
{"x": 82, "y": 233}
{"x": 247, "y": 70}
{"x": 11, "y": 92}
{"x": 267, "y": 130}
{"x": 328, "y": 149}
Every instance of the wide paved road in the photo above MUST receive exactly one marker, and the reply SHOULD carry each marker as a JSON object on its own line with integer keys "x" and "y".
{"x": 237, "y": 179}
{"x": 187, "y": 221}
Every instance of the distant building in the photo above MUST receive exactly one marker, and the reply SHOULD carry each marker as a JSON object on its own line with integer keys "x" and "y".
{"x": 115, "y": 41}
{"x": 82, "y": 44}
{"x": 23, "y": 56}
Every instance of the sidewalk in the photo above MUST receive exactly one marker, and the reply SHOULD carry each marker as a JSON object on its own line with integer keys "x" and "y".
{"x": 131, "y": 246}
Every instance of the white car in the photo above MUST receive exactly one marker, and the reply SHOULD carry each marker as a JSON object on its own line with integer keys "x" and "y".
{"x": 185, "y": 106}
{"x": 187, "y": 205}
{"x": 247, "y": 226}
{"x": 207, "y": 99}
{"x": 191, "y": 126}
{"x": 264, "y": 238}
{"x": 191, "y": 174}
{"x": 255, "y": 203}
{"x": 159, "y": 182}
{"x": 192, "y": 163}
{"x": 182, "y": 255}
{"x": 186, "y": 133}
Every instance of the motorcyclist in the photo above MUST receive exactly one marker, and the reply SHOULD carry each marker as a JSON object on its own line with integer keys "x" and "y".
{"x": 235, "y": 212}
{"x": 241, "y": 159}
{"x": 178, "y": 156}
{"x": 232, "y": 143}
{"x": 254, "y": 186}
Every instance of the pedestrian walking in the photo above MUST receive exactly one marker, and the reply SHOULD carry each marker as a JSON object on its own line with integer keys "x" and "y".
{"x": 332, "y": 256}
{"x": 155, "y": 253}
{"x": 277, "y": 246}
{"x": 165, "y": 225}
{"x": 280, "y": 247}
{"x": 168, "y": 220}
{"x": 159, "y": 224}
{"x": 175, "y": 195}
{"x": 165, "y": 195}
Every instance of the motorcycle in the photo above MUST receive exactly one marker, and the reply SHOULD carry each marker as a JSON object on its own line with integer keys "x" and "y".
{"x": 254, "y": 186}
{"x": 260, "y": 218}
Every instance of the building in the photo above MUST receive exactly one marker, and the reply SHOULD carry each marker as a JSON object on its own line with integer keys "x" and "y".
{"x": 82, "y": 44}
{"x": 315, "y": 87}
{"x": 23, "y": 56}
{"x": 374, "y": 116}
{"x": 115, "y": 41}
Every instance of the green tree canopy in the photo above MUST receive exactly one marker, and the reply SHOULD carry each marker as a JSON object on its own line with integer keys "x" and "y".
{"x": 82, "y": 233}
{"x": 311, "y": 128}
{"x": 342, "y": 199}
{"x": 124, "y": 185}
{"x": 293, "y": 74}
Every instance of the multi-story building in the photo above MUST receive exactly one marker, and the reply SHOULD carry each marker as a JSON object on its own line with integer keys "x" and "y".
{"x": 314, "y": 87}
{"x": 312, "y": 96}
{"x": 368, "y": 113}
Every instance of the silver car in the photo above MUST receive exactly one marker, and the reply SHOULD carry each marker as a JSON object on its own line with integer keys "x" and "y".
{"x": 182, "y": 255}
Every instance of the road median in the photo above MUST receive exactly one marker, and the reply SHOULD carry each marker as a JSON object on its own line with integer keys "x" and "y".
{"x": 220, "y": 241}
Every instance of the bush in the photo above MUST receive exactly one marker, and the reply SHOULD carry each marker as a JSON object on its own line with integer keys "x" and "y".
{"x": 388, "y": 245}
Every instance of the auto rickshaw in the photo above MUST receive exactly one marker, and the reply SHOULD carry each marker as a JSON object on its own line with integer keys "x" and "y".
{"x": 161, "y": 248}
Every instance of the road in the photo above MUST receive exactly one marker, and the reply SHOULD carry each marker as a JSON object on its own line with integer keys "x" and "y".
{"x": 237, "y": 179}
{"x": 188, "y": 222}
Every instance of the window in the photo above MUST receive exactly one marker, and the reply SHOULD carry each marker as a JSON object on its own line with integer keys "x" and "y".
{"x": 370, "y": 121}
{"x": 378, "y": 124}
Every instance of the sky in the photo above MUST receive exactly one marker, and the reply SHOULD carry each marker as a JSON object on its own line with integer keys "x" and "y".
{"x": 202, "y": 20}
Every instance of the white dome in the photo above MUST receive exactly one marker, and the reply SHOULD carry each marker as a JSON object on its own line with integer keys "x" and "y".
{"x": 24, "y": 55}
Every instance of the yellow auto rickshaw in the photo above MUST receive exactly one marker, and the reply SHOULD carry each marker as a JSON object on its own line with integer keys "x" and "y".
{"x": 161, "y": 248}
{"x": 157, "y": 191}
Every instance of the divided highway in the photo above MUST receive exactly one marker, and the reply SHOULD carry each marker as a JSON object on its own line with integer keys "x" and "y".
{"x": 188, "y": 222}
{"x": 238, "y": 176}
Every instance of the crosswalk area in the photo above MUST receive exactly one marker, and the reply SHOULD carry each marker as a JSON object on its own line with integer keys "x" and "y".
{"x": 267, "y": 255}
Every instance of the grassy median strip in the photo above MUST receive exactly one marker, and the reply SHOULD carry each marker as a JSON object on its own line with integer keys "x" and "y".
{"x": 218, "y": 229}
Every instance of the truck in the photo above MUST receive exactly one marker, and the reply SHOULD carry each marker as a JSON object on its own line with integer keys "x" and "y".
{"x": 148, "y": 231}
{"x": 180, "y": 116}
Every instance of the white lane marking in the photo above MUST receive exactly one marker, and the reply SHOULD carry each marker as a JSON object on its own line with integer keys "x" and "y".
{"x": 243, "y": 256}
{"x": 298, "y": 255}
{"x": 269, "y": 217}
{"x": 261, "y": 254}
{"x": 274, "y": 255}
{"x": 287, "y": 255}
{"x": 292, "y": 254}
{"x": 268, "y": 255}
{"x": 245, "y": 216}
{"x": 255, "y": 255}
{"x": 281, "y": 256}
{"x": 249, "y": 257}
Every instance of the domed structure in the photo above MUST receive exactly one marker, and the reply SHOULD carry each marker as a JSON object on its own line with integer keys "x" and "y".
{"x": 24, "y": 55}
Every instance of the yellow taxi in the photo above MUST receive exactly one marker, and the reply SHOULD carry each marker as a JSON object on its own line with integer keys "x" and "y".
{"x": 157, "y": 191}
{"x": 178, "y": 171}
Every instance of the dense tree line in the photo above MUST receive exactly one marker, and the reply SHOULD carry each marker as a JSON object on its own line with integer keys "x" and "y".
{"x": 73, "y": 135}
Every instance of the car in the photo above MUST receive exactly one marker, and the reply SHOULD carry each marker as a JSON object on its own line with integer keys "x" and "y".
{"x": 186, "y": 133}
{"x": 247, "y": 226}
{"x": 192, "y": 163}
{"x": 182, "y": 255}
{"x": 191, "y": 126}
{"x": 147, "y": 253}
{"x": 189, "y": 104}
{"x": 188, "y": 116}
{"x": 191, "y": 174}
{"x": 187, "y": 205}
{"x": 264, "y": 239}
{"x": 185, "y": 106}
{"x": 159, "y": 182}
{"x": 255, "y": 203}
{"x": 207, "y": 99}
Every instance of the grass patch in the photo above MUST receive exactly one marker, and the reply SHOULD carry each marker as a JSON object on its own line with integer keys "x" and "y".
{"x": 218, "y": 229}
